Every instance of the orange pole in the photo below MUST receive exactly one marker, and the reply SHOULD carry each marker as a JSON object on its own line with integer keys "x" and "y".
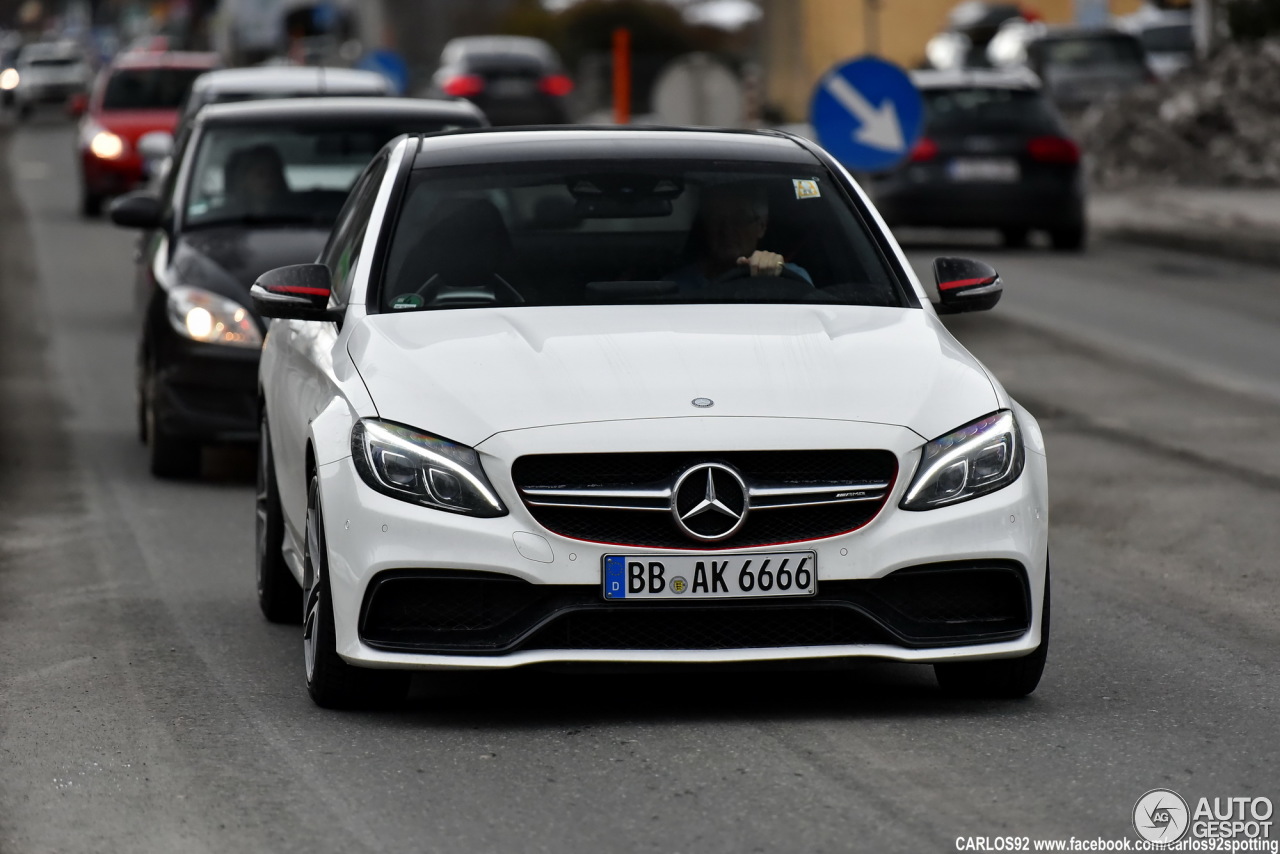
{"x": 622, "y": 76}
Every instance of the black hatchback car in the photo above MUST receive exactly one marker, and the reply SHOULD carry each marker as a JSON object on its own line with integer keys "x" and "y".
{"x": 994, "y": 154}
{"x": 254, "y": 186}
{"x": 515, "y": 80}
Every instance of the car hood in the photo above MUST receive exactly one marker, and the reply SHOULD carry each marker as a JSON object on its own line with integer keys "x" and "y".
{"x": 132, "y": 124}
{"x": 467, "y": 374}
{"x": 221, "y": 258}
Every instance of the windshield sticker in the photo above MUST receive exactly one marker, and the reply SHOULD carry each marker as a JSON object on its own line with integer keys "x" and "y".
{"x": 806, "y": 188}
{"x": 408, "y": 301}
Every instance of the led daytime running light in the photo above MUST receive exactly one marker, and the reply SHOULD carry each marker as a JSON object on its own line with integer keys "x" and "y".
{"x": 957, "y": 454}
{"x": 435, "y": 461}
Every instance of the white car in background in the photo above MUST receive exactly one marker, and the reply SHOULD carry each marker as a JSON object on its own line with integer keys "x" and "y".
{"x": 527, "y": 410}
{"x": 49, "y": 73}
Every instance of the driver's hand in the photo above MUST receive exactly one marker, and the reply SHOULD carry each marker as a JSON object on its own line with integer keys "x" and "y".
{"x": 763, "y": 263}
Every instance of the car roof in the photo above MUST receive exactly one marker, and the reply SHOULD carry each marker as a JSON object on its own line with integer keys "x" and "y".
{"x": 45, "y": 50}
{"x": 985, "y": 78}
{"x": 506, "y": 145}
{"x": 291, "y": 78}
{"x": 166, "y": 59}
{"x": 353, "y": 108}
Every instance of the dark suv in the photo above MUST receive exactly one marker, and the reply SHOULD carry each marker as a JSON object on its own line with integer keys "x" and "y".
{"x": 994, "y": 154}
{"x": 512, "y": 79}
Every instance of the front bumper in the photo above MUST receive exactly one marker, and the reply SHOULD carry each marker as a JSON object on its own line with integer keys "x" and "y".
{"x": 110, "y": 177}
{"x": 374, "y": 539}
{"x": 206, "y": 392}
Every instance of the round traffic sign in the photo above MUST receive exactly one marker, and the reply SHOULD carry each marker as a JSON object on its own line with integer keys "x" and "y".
{"x": 867, "y": 113}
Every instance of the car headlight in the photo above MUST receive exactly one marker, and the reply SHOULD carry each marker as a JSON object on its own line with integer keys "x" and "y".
{"x": 978, "y": 458}
{"x": 204, "y": 316}
{"x": 9, "y": 79}
{"x": 413, "y": 466}
{"x": 102, "y": 143}
{"x": 105, "y": 145}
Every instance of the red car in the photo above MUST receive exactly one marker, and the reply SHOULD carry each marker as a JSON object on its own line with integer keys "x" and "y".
{"x": 137, "y": 94}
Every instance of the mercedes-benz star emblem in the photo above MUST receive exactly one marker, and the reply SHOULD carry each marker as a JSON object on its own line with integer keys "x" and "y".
{"x": 703, "y": 402}
{"x": 709, "y": 502}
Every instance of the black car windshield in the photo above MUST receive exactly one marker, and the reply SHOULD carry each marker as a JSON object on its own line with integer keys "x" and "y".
{"x": 665, "y": 231}
{"x": 148, "y": 89}
{"x": 1090, "y": 52}
{"x": 983, "y": 110}
{"x": 1174, "y": 38}
{"x": 276, "y": 174}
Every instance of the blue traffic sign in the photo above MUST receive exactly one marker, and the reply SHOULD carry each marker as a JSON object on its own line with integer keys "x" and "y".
{"x": 390, "y": 65}
{"x": 867, "y": 113}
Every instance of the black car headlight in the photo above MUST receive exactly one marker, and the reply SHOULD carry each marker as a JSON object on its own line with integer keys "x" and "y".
{"x": 404, "y": 463}
{"x": 978, "y": 458}
{"x": 211, "y": 318}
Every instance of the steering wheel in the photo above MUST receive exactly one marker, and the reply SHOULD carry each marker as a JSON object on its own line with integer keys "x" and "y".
{"x": 743, "y": 271}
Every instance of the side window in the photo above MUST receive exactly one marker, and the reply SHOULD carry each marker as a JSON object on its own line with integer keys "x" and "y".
{"x": 343, "y": 251}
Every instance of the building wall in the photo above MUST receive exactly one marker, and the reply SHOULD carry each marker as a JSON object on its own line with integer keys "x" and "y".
{"x": 801, "y": 39}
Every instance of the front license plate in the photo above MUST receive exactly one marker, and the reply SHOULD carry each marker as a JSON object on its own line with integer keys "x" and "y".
{"x": 723, "y": 577}
{"x": 996, "y": 169}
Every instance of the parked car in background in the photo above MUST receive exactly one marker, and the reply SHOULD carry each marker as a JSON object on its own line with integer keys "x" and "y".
{"x": 542, "y": 423}
{"x": 1166, "y": 36}
{"x": 254, "y": 186}
{"x": 138, "y": 94}
{"x": 1078, "y": 65}
{"x": 995, "y": 154}
{"x": 49, "y": 73}
{"x": 513, "y": 79}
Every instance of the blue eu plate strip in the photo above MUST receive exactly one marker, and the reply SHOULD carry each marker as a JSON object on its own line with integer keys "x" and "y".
{"x": 615, "y": 577}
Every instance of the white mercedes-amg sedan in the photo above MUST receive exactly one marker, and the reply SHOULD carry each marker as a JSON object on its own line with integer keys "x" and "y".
{"x": 636, "y": 396}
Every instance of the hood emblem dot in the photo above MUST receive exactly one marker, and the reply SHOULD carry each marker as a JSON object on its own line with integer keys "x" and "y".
{"x": 703, "y": 402}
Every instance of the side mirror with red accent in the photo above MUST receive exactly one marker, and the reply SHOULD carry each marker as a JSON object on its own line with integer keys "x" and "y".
{"x": 965, "y": 285}
{"x": 299, "y": 292}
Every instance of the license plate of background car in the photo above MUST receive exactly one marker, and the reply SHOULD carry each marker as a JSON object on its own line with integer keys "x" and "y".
{"x": 745, "y": 576}
{"x": 511, "y": 87}
{"x": 995, "y": 169}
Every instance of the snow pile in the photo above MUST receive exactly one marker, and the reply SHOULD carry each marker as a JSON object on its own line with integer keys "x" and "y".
{"x": 1215, "y": 124}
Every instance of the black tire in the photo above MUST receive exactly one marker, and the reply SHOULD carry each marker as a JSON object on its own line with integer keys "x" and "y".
{"x": 172, "y": 457}
{"x": 1015, "y": 238}
{"x": 1068, "y": 239}
{"x": 279, "y": 595}
{"x": 331, "y": 682}
{"x": 90, "y": 204}
{"x": 1005, "y": 678}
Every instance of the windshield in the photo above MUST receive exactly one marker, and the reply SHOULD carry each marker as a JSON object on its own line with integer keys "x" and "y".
{"x": 987, "y": 110}
{"x": 1092, "y": 52}
{"x": 148, "y": 89}
{"x": 282, "y": 174}
{"x": 635, "y": 232}
{"x": 1175, "y": 38}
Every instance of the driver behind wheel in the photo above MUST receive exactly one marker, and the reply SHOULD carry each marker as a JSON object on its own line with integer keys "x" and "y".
{"x": 731, "y": 222}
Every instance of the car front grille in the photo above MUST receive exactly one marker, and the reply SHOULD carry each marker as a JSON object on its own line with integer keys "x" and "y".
{"x": 476, "y": 613}
{"x": 626, "y": 499}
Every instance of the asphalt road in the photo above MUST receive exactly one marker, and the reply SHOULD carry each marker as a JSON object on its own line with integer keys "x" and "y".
{"x": 145, "y": 706}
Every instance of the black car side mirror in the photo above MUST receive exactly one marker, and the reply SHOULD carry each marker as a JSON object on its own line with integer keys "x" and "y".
{"x": 138, "y": 209}
{"x": 965, "y": 285}
{"x": 299, "y": 292}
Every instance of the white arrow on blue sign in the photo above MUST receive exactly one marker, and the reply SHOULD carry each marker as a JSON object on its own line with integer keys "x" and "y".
{"x": 867, "y": 113}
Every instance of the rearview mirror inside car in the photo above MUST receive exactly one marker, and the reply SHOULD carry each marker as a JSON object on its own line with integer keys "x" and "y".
{"x": 298, "y": 292}
{"x": 965, "y": 285}
{"x": 138, "y": 209}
